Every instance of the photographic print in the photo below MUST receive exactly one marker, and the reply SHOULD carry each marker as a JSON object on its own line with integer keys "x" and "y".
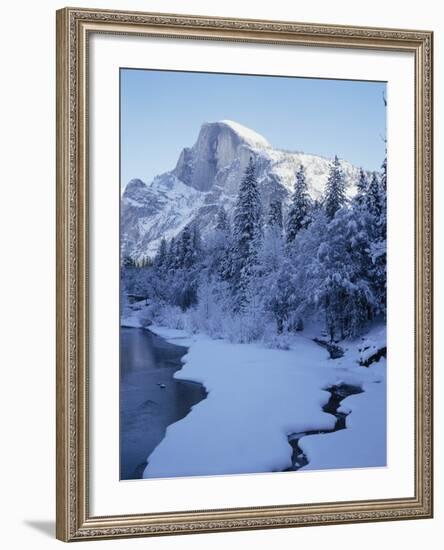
{"x": 252, "y": 274}
{"x": 227, "y": 278}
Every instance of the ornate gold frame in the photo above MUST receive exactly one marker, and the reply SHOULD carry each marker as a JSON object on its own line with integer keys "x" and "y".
{"x": 73, "y": 519}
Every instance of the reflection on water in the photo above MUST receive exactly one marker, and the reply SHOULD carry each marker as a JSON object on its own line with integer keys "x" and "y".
{"x": 150, "y": 398}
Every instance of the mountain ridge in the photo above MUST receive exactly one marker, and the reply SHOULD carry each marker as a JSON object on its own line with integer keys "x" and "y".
{"x": 206, "y": 176}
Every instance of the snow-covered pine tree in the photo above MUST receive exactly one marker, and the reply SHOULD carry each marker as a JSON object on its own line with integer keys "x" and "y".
{"x": 346, "y": 295}
{"x": 270, "y": 250}
{"x": 220, "y": 242}
{"x": 297, "y": 218}
{"x": 335, "y": 197}
{"x": 161, "y": 259}
{"x": 275, "y": 213}
{"x": 383, "y": 194}
{"x": 197, "y": 241}
{"x": 173, "y": 257}
{"x": 222, "y": 223}
{"x": 384, "y": 173}
{"x": 247, "y": 213}
{"x": 181, "y": 278}
{"x": 374, "y": 197}
{"x": 359, "y": 200}
{"x": 378, "y": 247}
{"x": 364, "y": 224}
{"x": 247, "y": 232}
{"x": 383, "y": 188}
{"x": 268, "y": 264}
{"x": 280, "y": 296}
{"x": 187, "y": 250}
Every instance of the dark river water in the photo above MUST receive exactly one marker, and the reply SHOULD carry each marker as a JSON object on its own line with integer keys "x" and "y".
{"x": 150, "y": 398}
{"x": 337, "y": 394}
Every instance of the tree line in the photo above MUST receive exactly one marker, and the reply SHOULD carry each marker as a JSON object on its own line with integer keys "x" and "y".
{"x": 262, "y": 273}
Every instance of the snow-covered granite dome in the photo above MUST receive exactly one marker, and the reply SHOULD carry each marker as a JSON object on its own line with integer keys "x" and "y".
{"x": 207, "y": 175}
{"x": 218, "y": 145}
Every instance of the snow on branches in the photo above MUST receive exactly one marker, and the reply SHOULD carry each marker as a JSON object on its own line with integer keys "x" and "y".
{"x": 270, "y": 269}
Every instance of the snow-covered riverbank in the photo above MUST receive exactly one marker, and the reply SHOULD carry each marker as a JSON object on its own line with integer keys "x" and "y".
{"x": 257, "y": 397}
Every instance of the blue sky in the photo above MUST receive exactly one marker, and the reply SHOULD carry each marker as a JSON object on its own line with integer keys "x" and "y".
{"x": 162, "y": 111}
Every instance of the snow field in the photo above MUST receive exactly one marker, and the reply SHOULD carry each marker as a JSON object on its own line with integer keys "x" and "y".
{"x": 257, "y": 397}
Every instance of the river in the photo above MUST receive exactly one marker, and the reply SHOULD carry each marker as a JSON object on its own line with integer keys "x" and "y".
{"x": 150, "y": 398}
{"x": 337, "y": 394}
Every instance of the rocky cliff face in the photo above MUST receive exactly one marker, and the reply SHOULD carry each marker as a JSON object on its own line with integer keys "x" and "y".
{"x": 219, "y": 144}
{"x": 206, "y": 176}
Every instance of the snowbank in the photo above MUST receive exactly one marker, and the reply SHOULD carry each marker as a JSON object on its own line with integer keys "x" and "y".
{"x": 133, "y": 315}
{"x": 363, "y": 443}
{"x": 257, "y": 397}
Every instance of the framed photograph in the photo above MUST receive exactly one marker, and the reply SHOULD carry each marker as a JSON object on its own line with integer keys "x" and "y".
{"x": 244, "y": 274}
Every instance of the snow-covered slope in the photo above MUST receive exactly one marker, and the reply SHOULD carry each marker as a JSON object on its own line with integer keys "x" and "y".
{"x": 206, "y": 176}
{"x": 249, "y": 136}
{"x": 163, "y": 208}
